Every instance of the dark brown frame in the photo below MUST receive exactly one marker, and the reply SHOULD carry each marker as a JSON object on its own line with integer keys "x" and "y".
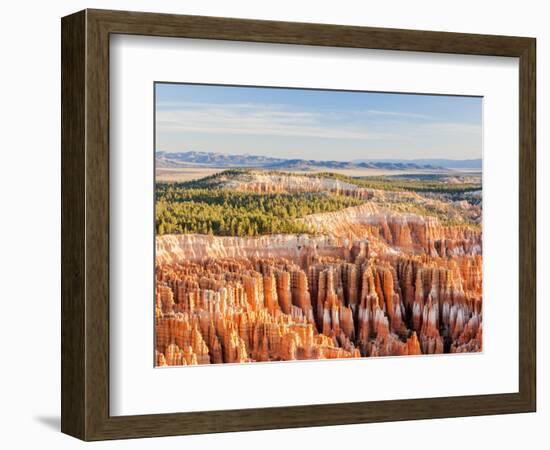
{"x": 85, "y": 224}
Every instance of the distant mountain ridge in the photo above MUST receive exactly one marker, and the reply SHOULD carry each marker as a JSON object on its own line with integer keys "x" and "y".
{"x": 165, "y": 160}
{"x": 446, "y": 163}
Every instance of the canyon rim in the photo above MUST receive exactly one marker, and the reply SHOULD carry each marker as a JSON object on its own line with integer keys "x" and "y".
{"x": 305, "y": 224}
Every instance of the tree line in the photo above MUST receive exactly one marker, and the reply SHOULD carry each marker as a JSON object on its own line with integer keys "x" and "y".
{"x": 231, "y": 213}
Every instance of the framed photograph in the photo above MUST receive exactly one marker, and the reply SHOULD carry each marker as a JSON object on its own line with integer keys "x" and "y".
{"x": 273, "y": 225}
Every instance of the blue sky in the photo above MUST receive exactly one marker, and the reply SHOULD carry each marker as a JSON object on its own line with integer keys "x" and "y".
{"x": 316, "y": 124}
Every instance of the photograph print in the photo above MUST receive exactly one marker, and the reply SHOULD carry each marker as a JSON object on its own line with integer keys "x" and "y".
{"x": 306, "y": 224}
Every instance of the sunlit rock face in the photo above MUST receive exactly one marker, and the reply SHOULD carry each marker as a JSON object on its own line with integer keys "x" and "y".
{"x": 266, "y": 182}
{"x": 296, "y": 248}
{"x": 281, "y": 298}
{"x": 388, "y": 230}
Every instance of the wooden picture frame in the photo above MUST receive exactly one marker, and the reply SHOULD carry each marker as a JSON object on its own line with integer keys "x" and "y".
{"x": 85, "y": 224}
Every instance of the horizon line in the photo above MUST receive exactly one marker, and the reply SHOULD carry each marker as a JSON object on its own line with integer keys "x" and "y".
{"x": 309, "y": 159}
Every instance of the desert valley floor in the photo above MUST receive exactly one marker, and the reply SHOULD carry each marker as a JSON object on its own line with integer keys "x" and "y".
{"x": 267, "y": 265}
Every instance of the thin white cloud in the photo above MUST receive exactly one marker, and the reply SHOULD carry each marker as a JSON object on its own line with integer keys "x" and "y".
{"x": 222, "y": 125}
{"x": 450, "y": 128}
{"x": 258, "y": 120}
{"x": 166, "y": 104}
{"x": 376, "y": 112}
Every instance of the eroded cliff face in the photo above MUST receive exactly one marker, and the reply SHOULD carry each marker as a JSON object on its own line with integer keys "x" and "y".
{"x": 245, "y": 307}
{"x": 196, "y": 247}
{"x": 387, "y": 233}
{"x": 402, "y": 232}
{"x": 264, "y": 182}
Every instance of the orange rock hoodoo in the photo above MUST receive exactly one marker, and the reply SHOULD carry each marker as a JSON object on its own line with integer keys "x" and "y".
{"x": 319, "y": 299}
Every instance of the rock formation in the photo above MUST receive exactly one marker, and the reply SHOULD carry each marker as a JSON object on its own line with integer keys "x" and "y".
{"x": 245, "y": 309}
